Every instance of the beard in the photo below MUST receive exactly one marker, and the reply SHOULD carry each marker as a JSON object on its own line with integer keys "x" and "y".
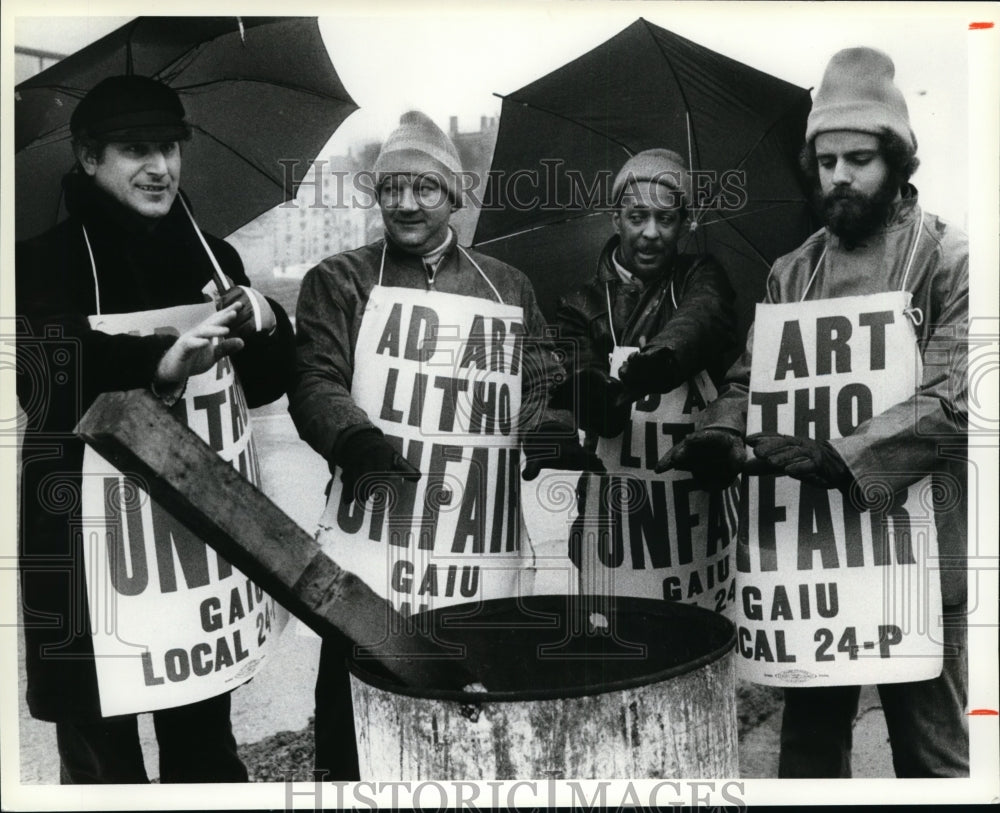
{"x": 852, "y": 215}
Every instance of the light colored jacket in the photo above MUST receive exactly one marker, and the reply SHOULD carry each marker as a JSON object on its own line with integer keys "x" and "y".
{"x": 928, "y": 432}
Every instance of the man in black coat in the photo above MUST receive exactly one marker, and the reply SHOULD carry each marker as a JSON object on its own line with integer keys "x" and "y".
{"x": 128, "y": 245}
{"x": 677, "y": 308}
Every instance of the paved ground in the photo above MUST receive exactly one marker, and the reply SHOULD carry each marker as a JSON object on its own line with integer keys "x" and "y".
{"x": 280, "y": 699}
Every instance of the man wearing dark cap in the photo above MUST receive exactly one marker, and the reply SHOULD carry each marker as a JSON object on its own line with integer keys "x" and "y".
{"x": 860, "y": 152}
{"x": 413, "y": 353}
{"x": 129, "y": 246}
{"x": 677, "y": 308}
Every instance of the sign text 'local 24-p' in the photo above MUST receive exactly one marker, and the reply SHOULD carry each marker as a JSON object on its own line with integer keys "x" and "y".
{"x": 829, "y": 594}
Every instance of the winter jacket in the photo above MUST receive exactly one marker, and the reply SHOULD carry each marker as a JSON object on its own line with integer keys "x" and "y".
{"x": 925, "y": 433}
{"x": 700, "y": 330}
{"x": 332, "y": 303}
{"x": 63, "y": 365}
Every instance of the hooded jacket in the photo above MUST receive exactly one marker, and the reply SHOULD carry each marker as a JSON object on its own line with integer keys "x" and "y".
{"x": 927, "y": 432}
{"x": 63, "y": 365}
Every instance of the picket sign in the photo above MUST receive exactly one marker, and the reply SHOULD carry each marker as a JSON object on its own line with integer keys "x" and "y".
{"x": 827, "y": 594}
{"x": 651, "y": 535}
{"x": 173, "y": 623}
{"x": 440, "y": 375}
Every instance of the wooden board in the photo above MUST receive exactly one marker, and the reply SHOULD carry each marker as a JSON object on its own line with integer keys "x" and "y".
{"x": 137, "y": 433}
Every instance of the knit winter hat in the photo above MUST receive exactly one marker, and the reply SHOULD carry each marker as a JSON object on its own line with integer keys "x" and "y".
{"x": 658, "y": 165}
{"x": 130, "y": 107}
{"x": 419, "y": 146}
{"x": 857, "y": 93}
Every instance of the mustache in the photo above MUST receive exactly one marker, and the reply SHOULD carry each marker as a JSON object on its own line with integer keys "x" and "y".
{"x": 845, "y": 194}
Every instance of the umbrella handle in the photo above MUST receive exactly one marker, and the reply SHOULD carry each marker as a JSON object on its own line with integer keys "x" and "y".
{"x": 220, "y": 278}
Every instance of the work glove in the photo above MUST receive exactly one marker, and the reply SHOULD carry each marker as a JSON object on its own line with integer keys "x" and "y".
{"x": 556, "y": 446}
{"x": 255, "y": 315}
{"x": 370, "y": 463}
{"x": 811, "y": 461}
{"x": 600, "y": 402}
{"x": 649, "y": 370}
{"x": 713, "y": 456}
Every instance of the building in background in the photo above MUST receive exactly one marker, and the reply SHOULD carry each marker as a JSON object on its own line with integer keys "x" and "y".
{"x": 29, "y": 61}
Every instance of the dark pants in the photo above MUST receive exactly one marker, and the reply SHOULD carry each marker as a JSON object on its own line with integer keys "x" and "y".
{"x": 336, "y": 746}
{"x": 196, "y": 744}
{"x": 927, "y": 722}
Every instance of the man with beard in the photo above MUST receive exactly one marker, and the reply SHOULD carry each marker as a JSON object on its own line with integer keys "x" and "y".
{"x": 861, "y": 152}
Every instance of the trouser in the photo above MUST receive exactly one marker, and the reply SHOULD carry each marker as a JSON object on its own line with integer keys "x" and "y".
{"x": 927, "y": 722}
{"x": 336, "y": 747}
{"x": 196, "y": 744}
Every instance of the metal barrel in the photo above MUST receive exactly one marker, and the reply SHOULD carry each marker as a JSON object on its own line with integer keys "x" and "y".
{"x": 585, "y": 687}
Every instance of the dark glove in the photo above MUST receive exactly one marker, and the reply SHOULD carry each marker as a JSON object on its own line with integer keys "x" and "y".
{"x": 556, "y": 446}
{"x": 811, "y": 461}
{"x": 370, "y": 463}
{"x": 650, "y": 370}
{"x": 600, "y": 402}
{"x": 255, "y": 315}
{"x": 713, "y": 456}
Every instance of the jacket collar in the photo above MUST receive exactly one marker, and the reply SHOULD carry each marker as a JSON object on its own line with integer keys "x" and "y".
{"x": 406, "y": 258}
{"x": 903, "y": 209}
{"x": 605, "y": 263}
{"x": 98, "y": 210}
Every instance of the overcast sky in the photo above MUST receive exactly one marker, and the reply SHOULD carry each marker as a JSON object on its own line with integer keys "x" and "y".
{"x": 449, "y": 60}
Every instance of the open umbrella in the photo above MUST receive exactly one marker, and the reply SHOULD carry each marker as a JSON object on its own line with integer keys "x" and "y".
{"x": 256, "y": 90}
{"x": 563, "y": 137}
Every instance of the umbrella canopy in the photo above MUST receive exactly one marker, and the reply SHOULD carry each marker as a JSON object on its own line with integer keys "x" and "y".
{"x": 563, "y": 138}
{"x": 256, "y": 91}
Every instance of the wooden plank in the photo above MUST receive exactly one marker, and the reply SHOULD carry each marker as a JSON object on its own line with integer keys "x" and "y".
{"x": 137, "y": 433}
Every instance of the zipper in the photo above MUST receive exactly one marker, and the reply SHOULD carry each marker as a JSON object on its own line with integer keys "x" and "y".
{"x": 431, "y": 273}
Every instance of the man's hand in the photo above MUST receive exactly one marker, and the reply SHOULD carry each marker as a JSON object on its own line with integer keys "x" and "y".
{"x": 195, "y": 352}
{"x": 599, "y": 401}
{"x": 555, "y": 446}
{"x": 649, "y": 370}
{"x": 371, "y": 464}
{"x": 811, "y": 461}
{"x": 713, "y": 456}
{"x": 256, "y": 315}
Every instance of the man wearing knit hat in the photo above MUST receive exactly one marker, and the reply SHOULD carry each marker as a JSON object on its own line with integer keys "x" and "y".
{"x": 677, "y": 308}
{"x": 128, "y": 252}
{"x": 877, "y": 244}
{"x": 649, "y": 331}
{"x": 409, "y": 350}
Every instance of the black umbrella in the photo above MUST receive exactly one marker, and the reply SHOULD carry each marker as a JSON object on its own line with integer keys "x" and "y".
{"x": 257, "y": 91}
{"x": 563, "y": 137}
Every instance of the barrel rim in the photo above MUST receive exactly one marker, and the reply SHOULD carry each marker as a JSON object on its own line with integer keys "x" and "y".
{"x": 560, "y": 693}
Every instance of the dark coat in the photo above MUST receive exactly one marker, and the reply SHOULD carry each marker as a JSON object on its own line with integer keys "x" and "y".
{"x": 62, "y": 366}
{"x": 700, "y": 331}
{"x": 330, "y": 309}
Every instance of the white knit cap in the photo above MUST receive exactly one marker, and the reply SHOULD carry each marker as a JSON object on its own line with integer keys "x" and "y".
{"x": 659, "y": 166}
{"x": 419, "y": 146}
{"x": 857, "y": 93}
